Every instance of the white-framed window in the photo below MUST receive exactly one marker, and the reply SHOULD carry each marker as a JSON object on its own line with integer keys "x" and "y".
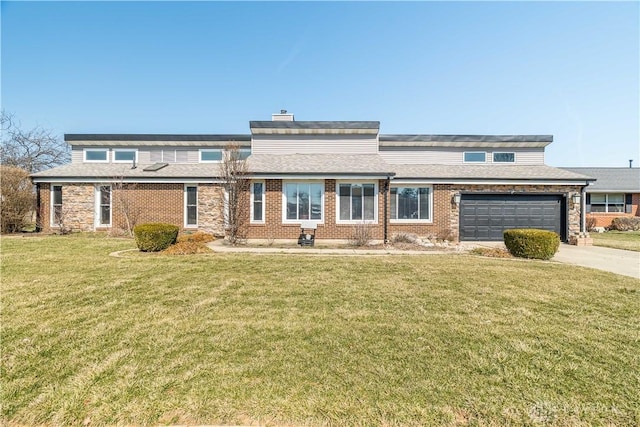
{"x": 257, "y": 202}
{"x": 56, "y": 205}
{"x": 125, "y": 155}
{"x": 190, "y": 206}
{"x": 103, "y": 206}
{"x": 357, "y": 202}
{"x": 96, "y": 155}
{"x": 411, "y": 203}
{"x": 605, "y": 202}
{"x": 303, "y": 201}
{"x": 504, "y": 157}
{"x": 210, "y": 155}
{"x": 475, "y": 157}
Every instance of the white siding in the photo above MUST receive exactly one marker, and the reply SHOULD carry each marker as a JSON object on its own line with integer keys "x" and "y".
{"x": 454, "y": 156}
{"x": 314, "y": 144}
{"x": 76, "y": 155}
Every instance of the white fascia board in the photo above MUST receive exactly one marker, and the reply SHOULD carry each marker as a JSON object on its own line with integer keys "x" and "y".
{"x": 94, "y": 180}
{"x": 318, "y": 177}
{"x": 488, "y": 182}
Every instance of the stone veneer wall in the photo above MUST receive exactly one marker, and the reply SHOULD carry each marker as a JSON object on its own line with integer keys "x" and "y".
{"x": 573, "y": 216}
{"x": 211, "y": 209}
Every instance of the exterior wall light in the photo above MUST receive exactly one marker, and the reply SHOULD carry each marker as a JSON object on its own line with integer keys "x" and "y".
{"x": 575, "y": 198}
{"x": 456, "y": 199}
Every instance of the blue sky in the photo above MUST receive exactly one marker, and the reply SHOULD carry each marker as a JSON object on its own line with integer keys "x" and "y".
{"x": 568, "y": 69}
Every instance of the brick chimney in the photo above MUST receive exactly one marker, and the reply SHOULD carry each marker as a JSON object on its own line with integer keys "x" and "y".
{"x": 283, "y": 116}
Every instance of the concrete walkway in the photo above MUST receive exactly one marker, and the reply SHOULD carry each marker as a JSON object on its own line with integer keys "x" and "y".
{"x": 219, "y": 246}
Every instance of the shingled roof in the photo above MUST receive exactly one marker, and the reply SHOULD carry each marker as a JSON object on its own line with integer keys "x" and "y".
{"x": 624, "y": 180}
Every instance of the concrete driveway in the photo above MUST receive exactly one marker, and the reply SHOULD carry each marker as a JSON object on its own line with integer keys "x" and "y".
{"x": 616, "y": 261}
{"x": 626, "y": 263}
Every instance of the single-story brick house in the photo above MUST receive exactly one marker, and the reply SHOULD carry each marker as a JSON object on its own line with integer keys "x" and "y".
{"x": 615, "y": 193}
{"x": 335, "y": 173}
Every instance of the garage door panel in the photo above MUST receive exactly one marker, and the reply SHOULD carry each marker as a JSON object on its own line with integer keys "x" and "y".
{"x": 486, "y": 216}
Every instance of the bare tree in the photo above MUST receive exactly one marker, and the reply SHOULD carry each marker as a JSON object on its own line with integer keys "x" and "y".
{"x": 123, "y": 194}
{"x": 32, "y": 150}
{"x": 16, "y": 197}
{"x": 234, "y": 173}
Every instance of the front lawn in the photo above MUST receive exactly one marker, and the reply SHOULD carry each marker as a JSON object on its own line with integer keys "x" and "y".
{"x": 311, "y": 340}
{"x": 628, "y": 240}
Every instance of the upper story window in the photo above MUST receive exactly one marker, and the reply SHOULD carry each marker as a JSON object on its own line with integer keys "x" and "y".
{"x": 244, "y": 153}
{"x": 96, "y": 155}
{"x": 211, "y": 155}
{"x": 125, "y": 155}
{"x": 504, "y": 157}
{"x": 475, "y": 157}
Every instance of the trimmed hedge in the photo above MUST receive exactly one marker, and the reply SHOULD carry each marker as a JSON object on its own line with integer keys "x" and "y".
{"x": 155, "y": 237}
{"x": 531, "y": 243}
{"x": 625, "y": 223}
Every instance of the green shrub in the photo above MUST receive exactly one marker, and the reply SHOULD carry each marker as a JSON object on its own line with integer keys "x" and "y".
{"x": 155, "y": 237}
{"x": 531, "y": 243}
{"x": 625, "y": 223}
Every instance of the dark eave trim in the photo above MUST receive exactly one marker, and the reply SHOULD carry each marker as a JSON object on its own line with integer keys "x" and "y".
{"x": 467, "y": 138}
{"x": 153, "y": 137}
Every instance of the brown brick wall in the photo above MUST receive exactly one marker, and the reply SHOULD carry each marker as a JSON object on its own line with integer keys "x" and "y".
{"x": 165, "y": 203}
{"x": 445, "y": 213}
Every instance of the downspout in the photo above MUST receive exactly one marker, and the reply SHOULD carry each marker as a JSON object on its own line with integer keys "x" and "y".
{"x": 583, "y": 206}
{"x": 38, "y": 212}
{"x": 386, "y": 210}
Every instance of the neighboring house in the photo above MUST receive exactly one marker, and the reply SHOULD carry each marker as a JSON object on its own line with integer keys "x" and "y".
{"x": 337, "y": 174}
{"x": 616, "y": 193}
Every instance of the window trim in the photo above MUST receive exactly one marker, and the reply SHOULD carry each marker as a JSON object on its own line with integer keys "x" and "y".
{"x": 127, "y": 150}
{"x": 84, "y": 155}
{"x": 284, "y": 201}
{"x": 375, "y": 203}
{"x": 493, "y": 157}
{"x": 464, "y": 157}
{"x": 411, "y": 220}
{"x": 98, "y": 206}
{"x": 209, "y": 150}
{"x": 52, "y": 215}
{"x": 252, "y": 219}
{"x": 186, "y": 206}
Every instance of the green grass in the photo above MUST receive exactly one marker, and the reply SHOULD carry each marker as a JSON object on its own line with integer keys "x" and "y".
{"x": 628, "y": 240}
{"x": 304, "y": 340}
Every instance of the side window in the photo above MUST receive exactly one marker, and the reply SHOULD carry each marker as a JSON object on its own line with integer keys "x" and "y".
{"x": 56, "y": 205}
{"x": 257, "y": 202}
{"x": 103, "y": 197}
{"x": 191, "y": 206}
